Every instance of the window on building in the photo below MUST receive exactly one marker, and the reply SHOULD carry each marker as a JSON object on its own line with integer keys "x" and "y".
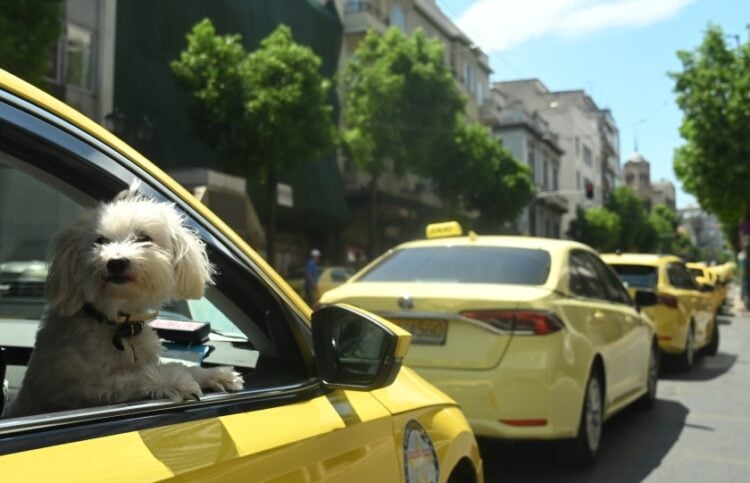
{"x": 545, "y": 176}
{"x": 480, "y": 93}
{"x": 555, "y": 179}
{"x": 588, "y": 157}
{"x": 578, "y": 146}
{"x": 398, "y": 16}
{"x": 79, "y": 57}
{"x": 469, "y": 77}
{"x": 629, "y": 178}
{"x": 578, "y": 180}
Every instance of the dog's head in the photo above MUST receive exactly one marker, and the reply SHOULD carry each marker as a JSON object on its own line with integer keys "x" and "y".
{"x": 129, "y": 255}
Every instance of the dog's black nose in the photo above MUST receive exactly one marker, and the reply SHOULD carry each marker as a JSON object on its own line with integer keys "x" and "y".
{"x": 118, "y": 265}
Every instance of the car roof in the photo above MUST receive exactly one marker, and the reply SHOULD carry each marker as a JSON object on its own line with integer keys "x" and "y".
{"x": 530, "y": 242}
{"x": 652, "y": 259}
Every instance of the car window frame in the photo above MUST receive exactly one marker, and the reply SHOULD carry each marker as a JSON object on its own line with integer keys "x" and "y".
{"x": 590, "y": 292}
{"x": 612, "y": 283}
{"x": 63, "y": 146}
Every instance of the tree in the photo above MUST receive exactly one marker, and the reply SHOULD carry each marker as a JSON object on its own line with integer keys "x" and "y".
{"x": 597, "y": 227}
{"x": 665, "y": 222}
{"x": 263, "y": 111}
{"x": 713, "y": 91}
{"x": 29, "y": 29}
{"x": 475, "y": 172}
{"x": 636, "y": 233}
{"x": 400, "y": 106}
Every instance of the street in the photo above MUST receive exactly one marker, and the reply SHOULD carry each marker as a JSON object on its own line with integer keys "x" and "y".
{"x": 698, "y": 430}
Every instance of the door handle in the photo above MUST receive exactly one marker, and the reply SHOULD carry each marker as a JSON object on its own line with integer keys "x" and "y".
{"x": 598, "y": 315}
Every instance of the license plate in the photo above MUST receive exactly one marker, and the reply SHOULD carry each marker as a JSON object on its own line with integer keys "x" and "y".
{"x": 425, "y": 331}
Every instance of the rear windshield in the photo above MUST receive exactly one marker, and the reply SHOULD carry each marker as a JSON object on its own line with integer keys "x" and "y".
{"x": 696, "y": 272}
{"x": 637, "y": 275}
{"x": 463, "y": 264}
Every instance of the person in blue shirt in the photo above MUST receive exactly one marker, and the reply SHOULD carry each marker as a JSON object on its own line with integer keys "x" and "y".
{"x": 311, "y": 277}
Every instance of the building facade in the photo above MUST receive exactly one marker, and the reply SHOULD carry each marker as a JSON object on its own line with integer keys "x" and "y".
{"x": 577, "y": 120}
{"x": 637, "y": 175}
{"x": 527, "y": 135}
{"x": 405, "y": 202}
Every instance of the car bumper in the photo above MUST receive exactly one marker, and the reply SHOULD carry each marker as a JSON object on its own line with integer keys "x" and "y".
{"x": 671, "y": 329}
{"x": 534, "y": 393}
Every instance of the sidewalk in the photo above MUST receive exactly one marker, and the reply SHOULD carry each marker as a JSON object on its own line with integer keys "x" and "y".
{"x": 735, "y": 307}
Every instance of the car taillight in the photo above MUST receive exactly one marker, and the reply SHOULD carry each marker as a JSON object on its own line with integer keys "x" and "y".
{"x": 534, "y": 322}
{"x": 668, "y": 300}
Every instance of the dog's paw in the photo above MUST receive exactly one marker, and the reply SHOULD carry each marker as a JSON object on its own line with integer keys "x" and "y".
{"x": 221, "y": 379}
{"x": 175, "y": 382}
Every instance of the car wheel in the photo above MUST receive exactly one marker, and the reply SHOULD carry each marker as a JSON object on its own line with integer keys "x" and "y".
{"x": 713, "y": 345}
{"x": 648, "y": 400}
{"x": 582, "y": 450}
{"x": 687, "y": 358}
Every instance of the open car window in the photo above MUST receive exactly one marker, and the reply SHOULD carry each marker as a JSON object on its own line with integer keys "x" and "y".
{"x": 45, "y": 185}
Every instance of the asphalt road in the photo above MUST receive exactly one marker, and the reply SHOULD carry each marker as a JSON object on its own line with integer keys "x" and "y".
{"x": 699, "y": 430}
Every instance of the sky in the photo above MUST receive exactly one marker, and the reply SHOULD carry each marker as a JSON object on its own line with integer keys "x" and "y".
{"x": 618, "y": 51}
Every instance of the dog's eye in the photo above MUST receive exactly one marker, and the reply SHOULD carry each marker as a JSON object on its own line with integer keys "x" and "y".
{"x": 101, "y": 241}
{"x": 143, "y": 238}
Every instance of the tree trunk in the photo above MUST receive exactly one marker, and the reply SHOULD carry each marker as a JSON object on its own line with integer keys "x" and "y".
{"x": 373, "y": 245}
{"x": 272, "y": 207}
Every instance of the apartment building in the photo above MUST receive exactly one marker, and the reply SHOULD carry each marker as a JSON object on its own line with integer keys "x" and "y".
{"x": 406, "y": 202}
{"x": 528, "y": 136}
{"x": 577, "y": 120}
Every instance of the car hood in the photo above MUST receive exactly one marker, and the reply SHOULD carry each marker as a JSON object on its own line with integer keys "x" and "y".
{"x": 409, "y": 392}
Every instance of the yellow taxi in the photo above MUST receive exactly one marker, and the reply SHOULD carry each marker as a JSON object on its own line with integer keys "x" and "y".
{"x": 535, "y": 338}
{"x": 685, "y": 317}
{"x": 325, "y": 397}
{"x": 709, "y": 281}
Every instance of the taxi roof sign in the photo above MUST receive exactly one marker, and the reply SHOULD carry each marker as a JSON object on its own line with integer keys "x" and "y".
{"x": 440, "y": 230}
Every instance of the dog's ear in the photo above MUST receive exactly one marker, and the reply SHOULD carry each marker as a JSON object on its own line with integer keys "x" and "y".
{"x": 130, "y": 192}
{"x": 192, "y": 268}
{"x": 63, "y": 289}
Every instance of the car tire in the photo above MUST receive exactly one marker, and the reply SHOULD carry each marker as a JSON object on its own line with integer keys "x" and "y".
{"x": 648, "y": 400}
{"x": 713, "y": 345}
{"x": 686, "y": 359}
{"x": 583, "y": 449}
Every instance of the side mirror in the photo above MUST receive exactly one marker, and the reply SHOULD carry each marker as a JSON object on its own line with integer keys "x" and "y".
{"x": 705, "y": 287}
{"x": 355, "y": 349}
{"x": 646, "y": 298}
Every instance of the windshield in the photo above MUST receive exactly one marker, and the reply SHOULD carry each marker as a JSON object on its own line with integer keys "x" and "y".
{"x": 637, "y": 275}
{"x": 463, "y": 264}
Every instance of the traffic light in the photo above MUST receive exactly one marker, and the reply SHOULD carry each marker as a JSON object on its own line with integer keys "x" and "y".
{"x": 589, "y": 190}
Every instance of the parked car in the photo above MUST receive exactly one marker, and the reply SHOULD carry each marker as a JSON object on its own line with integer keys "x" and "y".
{"x": 710, "y": 281}
{"x": 324, "y": 396}
{"x": 535, "y": 338}
{"x": 330, "y": 277}
{"x": 685, "y": 316}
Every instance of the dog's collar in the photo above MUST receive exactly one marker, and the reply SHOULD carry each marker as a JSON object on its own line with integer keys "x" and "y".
{"x": 127, "y": 325}
{"x": 122, "y": 317}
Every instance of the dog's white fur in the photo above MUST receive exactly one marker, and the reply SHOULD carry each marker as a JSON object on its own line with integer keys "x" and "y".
{"x": 74, "y": 363}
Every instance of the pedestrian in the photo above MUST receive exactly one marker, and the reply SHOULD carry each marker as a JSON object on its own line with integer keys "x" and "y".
{"x": 311, "y": 277}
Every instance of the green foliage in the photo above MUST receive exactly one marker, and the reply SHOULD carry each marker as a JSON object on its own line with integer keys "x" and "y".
{"x": 401, "y": 102}
{"x": 713, "y": 91}
{"x": 665, "y": 222}
{"x": 29, "y": 30}
{"x": 596, "y": 227}
{"x": 260, "y": 110}
{"x": 263, "y": 112}
{"x": 637, "y": 234}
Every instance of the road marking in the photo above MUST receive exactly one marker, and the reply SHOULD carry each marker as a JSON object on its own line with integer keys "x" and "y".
{"x": 719, "y": 417}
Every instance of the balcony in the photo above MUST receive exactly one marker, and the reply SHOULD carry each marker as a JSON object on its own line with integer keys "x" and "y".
{"x": 363, "y": 15}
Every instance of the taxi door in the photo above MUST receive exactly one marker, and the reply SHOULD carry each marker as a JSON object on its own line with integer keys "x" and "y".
{"x": 695, "y": 303}
{"x": 343, "y": 436}
{"x": 600, "y": 320}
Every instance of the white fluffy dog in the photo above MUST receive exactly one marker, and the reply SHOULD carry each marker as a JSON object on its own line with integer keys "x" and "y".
{"x": 110, "y": 273}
